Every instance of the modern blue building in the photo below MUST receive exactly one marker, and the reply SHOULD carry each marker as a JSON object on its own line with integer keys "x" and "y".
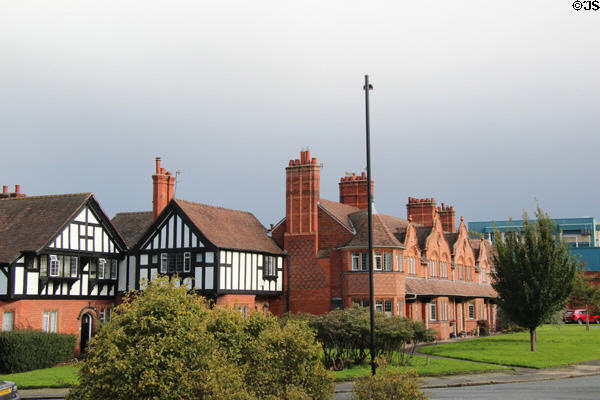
{"x": 582, "y": 235}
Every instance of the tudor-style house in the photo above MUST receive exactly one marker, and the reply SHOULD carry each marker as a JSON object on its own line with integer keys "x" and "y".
{"x": 59, "y": 263}
{"x": 222, "y": 254}
{"x": 424, "y": 268}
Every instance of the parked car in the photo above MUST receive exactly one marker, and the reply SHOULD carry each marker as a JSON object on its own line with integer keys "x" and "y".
{"x": 8, "y": 391}
{"x": 580, "y": 316}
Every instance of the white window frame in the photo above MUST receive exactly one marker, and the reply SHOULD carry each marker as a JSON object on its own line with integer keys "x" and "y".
{"x": 471, "y": 306}
{"x": 433, "y": 311}
{"x": 74, "y": 266}
{"x": 50, "y": 320}
{"x": 8, "y": 321}
{"x": 379, "y": 306}
{"x": 387, "y": 261}
{"x": 187, "y": 261}
{"x": 378, "y": 261}
{"x": 388, "y": 304}
{"x": 102, "y": 268}
{"x": 164, "y": 261}
{"x": 54, "y": 269}
{"x": 355, "y": 262}
{"x": 102, "y": 315}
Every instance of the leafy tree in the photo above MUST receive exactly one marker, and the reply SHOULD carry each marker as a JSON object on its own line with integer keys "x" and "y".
{"x": 533, "y": 273}
{"x": 164, "y": 343}
{"x": 585, "y": 293}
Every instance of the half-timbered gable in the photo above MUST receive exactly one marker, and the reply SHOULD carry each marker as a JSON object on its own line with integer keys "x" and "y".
{"x": 213, "y": 251}
{"x": 57, "y": 246}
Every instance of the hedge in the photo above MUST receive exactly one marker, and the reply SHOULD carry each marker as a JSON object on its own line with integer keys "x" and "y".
{"x": 28, "y": 350}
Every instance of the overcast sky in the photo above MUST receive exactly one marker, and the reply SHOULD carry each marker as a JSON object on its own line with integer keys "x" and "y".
{"x": 483, "y": 105}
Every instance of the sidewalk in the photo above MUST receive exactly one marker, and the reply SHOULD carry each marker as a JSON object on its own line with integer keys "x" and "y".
{"x": 343, "y": 390}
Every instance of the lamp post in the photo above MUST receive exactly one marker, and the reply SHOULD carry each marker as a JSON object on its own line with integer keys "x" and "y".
{"x": 366, "y": 88}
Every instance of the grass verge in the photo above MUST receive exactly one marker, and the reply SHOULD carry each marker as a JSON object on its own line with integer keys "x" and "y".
{"x": 55, "y": 377}
{"x": 556, "y": 346}
{"x": 436, "y": 366}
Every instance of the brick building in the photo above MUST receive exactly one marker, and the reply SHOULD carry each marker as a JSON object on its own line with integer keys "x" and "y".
{"x": 425, "y": 267}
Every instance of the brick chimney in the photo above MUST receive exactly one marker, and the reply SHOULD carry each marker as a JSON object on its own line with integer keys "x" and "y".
{"x": 303, "y": 178}
{"x": 447, "y": 217}
{"x": 16, "y": 194}
{"x": 421, "y": 211}
{"x": 353, "y": 190}
{"x": 163, "y": 184}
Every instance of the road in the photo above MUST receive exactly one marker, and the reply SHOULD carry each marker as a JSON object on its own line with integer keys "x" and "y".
{"x": 585, "y": 388}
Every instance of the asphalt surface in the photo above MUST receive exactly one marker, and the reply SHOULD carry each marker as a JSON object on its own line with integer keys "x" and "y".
{"x": 579, "y": 381}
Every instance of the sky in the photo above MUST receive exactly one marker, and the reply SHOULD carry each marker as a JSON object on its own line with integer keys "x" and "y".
{"x": 486, "y": 106}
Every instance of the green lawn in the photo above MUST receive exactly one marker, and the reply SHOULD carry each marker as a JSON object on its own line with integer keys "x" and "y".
{"x": 566, "y": 344}
{"x": 436, "y": 366}
{"x": 56, "y": 377}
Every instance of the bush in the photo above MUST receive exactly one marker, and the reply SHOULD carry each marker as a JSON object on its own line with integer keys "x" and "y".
{"x": 28, "y": 350}
{"x": 164, "y": 343}
{"x": 389, "y": 385}
{"x": 484, "y": 327}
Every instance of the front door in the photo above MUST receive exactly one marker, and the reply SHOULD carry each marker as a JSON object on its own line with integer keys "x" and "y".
{"x": 86, "y": 332}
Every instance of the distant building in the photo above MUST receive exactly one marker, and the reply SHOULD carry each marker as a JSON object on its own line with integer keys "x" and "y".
{"x": 582, "y": 235}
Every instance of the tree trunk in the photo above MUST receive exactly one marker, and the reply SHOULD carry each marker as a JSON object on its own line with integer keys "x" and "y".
{"x": 532, "y": 338}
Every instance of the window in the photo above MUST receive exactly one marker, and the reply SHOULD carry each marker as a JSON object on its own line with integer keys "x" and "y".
{"x": 74, "y": 266}
{"x": 379, "y": 306}
{"x": 187, "y": 262}
{"x": 101, "y": 268}
{"x": 269, "y": 268}
{"x": 209, "y": 257}
{"x": 199, "y": 257}
{"x": 387, "y": 307}
{"x": 54, "y": 265}
{"x": 433, "y": 311}
{"x": 471, "y": 310}
{"x": 378, "y": 262}
{"x": 102, "y": 315}
{"x": 365, "y": 261}
{"x": 43, "y": 265}
{"x": 113, "y": 269}
{"x": 412, "y": 265}
{"x": 50, "y": 321}
{"x": 163, "y": 263}
{"x": 355, "y": 262}
{"x": 109, "y": 314}
{"x": 8, "y": 321}
{"x": 387, "y": 261}
{"x": 399, "y": 262}
{"x": 444, "y": 311}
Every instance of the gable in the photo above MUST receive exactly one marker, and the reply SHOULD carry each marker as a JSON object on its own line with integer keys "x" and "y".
{"x": 85, "y": 232}
{"x": 173, "y": 232}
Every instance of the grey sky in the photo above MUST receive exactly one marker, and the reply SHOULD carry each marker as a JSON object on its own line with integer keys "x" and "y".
{"x": 482, "y": 105}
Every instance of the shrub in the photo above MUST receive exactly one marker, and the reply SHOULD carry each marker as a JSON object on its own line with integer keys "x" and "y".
{"x": 164, "y": 343}
{"x": 484, "y": 327}
{"x": 389, "y": 385}
{"x": 28, "y": 350}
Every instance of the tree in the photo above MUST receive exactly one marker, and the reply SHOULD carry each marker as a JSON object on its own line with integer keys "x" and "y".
{"x": 533, "y": 273}
{"x": 165, "y": 343}
{"x": 585, "y": 293}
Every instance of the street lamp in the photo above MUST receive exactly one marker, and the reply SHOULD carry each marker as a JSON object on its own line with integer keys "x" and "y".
{"x": 367, "y": 88}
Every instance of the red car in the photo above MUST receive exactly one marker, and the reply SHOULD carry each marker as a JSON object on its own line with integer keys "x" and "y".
{"x": 580, "y": 316}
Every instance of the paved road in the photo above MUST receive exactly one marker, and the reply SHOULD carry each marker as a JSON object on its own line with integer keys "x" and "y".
{"x": 586, "y": 388}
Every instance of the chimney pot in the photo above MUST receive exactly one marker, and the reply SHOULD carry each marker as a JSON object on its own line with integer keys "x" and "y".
{"x": 307, "y": 157}
{"x": 291, "y": 163}
{"x": 5, "y": 189}
{"x": 314, "y": 161}
{"x": 17, "y": 188}
{"x": 157, "y": 165}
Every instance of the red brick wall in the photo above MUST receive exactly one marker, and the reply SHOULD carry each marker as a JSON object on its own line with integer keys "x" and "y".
{"x": 331, "y": 233}
{"x": 277, "y": 234}
{"x": 29, "y": 313}
{"x": 421, "y": 211}
{"x": 353, "y": 190}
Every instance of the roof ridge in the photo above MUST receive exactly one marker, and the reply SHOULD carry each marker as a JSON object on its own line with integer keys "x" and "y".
{"x": 133, "y": 212}
{"x": 210, "y": 205}
{"x": 48, "y": 196}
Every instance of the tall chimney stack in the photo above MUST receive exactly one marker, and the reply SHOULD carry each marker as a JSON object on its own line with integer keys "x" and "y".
{"x": 163, "y": 185}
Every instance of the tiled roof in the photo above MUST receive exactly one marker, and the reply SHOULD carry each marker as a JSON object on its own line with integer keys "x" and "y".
{"x": 382, "y": 236}
{"x": 28, "y": 223}
{"x": 451, "y": 238}
{"x": 476, "y": 246}
{"x": 339, "y": 211}
{"x": 229, "y": 229}
{"x": 438, "y": 287}
{"x": 132, "y": 225}
{"x": 423, "y": 233}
